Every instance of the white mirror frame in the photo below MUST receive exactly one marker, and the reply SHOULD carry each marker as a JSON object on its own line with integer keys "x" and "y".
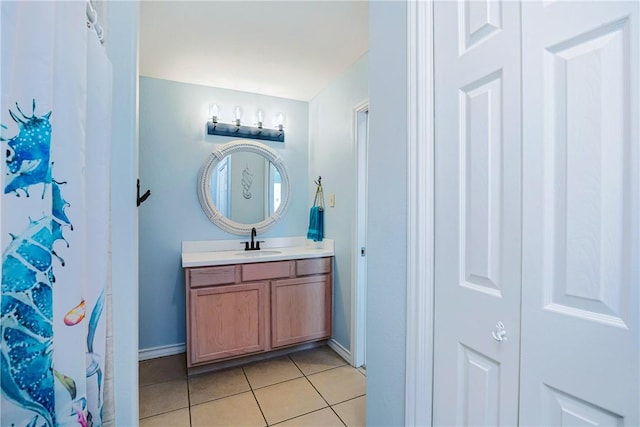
{"x": 204, "y": 187}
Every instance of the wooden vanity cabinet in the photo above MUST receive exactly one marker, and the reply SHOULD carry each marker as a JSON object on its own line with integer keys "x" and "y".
{"x": 228, "y": 321}
{"x": 237, "y": 310}
{"x": 225, "y": 317}
{"x": 301, "y": 306}
{"x": 300, "y": 310}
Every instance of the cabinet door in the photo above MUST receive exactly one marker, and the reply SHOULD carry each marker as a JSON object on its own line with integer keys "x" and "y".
{"x": 228, "y": 321}
{"x": 300, "y": 310}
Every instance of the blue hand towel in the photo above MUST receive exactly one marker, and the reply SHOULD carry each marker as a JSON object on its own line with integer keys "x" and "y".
{"x": 316, "y": 224}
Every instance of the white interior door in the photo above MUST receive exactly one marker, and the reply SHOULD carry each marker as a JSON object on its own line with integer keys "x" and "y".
{"x": 477, "y": 212}
{"x": 580, "y": 356}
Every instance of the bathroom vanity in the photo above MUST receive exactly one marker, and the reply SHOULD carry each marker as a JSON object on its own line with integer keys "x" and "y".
{"x": 243, "y": 303}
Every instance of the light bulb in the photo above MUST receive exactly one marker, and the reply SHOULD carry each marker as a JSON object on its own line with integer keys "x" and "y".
{"x": 238, "y": 114}
{"x": 259, "y": 117}
{"x": 214, "y": 112}
{"x": 279, "y": 120}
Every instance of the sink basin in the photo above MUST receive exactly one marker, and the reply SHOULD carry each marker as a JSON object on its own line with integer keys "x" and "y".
{"x": 253, "y": 254}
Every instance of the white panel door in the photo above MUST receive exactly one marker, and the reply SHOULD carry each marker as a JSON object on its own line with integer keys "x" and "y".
{"x": 477, "y": 212}
{"x": 580, "y": 332}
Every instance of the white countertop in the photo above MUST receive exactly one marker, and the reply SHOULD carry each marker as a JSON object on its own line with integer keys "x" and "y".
{"x": 222, "y": 252}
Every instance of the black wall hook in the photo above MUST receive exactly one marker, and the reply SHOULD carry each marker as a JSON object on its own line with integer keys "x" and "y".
{"x": 144, "y": 197}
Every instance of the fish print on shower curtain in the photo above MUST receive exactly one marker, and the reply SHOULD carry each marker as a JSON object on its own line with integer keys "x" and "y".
{"x": 52, "y": 301}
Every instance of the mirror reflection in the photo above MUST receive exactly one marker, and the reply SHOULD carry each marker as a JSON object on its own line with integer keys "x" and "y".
{"x": 246, "y": 187}
{"x": 243, "y": 185}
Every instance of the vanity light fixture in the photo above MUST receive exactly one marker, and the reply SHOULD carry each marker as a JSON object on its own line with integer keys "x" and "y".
{"x": 238, "y": 130}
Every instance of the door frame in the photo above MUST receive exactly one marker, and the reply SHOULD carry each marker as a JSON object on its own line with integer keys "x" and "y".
{"x": 420, "y": 220}
{"x": 359, "y": 263}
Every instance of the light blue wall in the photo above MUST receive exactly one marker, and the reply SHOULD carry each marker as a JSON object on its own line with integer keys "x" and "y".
{"x": 173, "y": 146}
{"x": 332, "y": 155}
{"x": 387, "y": 214}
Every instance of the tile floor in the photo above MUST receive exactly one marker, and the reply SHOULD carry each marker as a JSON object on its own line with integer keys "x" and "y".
{"x": 308, "y": 388}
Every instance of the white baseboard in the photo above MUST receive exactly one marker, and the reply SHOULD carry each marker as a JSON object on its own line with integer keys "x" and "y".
{"x": 342, "y": 352}
{"x": 170, "y": 350}
{"x": 165, "y": 350}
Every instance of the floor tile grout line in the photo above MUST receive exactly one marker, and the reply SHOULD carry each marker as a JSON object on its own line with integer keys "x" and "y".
{"x": 299, "y": 368}
{"x": 339, "y": 417}
{"x": 349, "y": 399}
{"x": 168, "y": 365}
{"x": 305, "y": 413}
{"x": 266, "y": 423}
{"x": 338, "y": 403}
{"x": 189, "y": 397}
{"x": 164, "y": 413}
{"x": 161, "y": 382}
{"x": 330, "y": 405}
{"x": 279, "y": 382}
{"x": 324, "y": 370}
{"x": 188, "y": 407}
{"x": 318, "y": 391}
{"x": 301, "y": 415}
{"x": 327, "y": 370}
{"x": 219, "y": 398}
{"x": 295, "y": 364}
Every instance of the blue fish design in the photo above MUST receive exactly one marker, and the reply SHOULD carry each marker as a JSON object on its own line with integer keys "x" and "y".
{"x": 26, "y": 310}
{"x": 26, "y": 322}
{"x": 28, "y": 153}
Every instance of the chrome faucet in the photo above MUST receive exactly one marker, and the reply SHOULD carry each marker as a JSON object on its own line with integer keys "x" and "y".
{"x": 254, "y": 245}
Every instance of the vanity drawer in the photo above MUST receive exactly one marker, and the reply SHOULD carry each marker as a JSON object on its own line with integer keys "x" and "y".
{"x": 306, "y": 267}
{"x": 265, "y": 271}
{"x": 208, "y": 276}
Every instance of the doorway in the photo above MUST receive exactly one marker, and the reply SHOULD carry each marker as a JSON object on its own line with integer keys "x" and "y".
{"x": 359, "y": 297}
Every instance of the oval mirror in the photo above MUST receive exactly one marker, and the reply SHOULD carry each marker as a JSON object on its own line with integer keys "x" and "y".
{"x": 242, "y": 185}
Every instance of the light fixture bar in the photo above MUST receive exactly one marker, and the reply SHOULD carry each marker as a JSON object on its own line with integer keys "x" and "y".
{"x": 240, "y": 131}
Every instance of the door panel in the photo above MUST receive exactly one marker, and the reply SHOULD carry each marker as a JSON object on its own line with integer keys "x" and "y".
{"x": 477, "y": 210}
{"x": 478, "y": 389}
{"x": 477, "y": 21}
{"x": 480, "y": 170}
{"x": 561, "y": 409}
{"x": 580, "y": 226}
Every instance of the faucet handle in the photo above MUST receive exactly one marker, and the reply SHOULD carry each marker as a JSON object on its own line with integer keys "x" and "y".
{"x": 258, "y": 244}
{"x": 246, "y": 245}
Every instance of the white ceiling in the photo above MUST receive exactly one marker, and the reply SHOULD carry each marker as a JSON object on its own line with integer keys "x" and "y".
{"x": 289, "y": 49}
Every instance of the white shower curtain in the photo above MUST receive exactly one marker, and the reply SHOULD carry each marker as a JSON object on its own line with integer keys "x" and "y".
{"x": 55, "y": 117}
